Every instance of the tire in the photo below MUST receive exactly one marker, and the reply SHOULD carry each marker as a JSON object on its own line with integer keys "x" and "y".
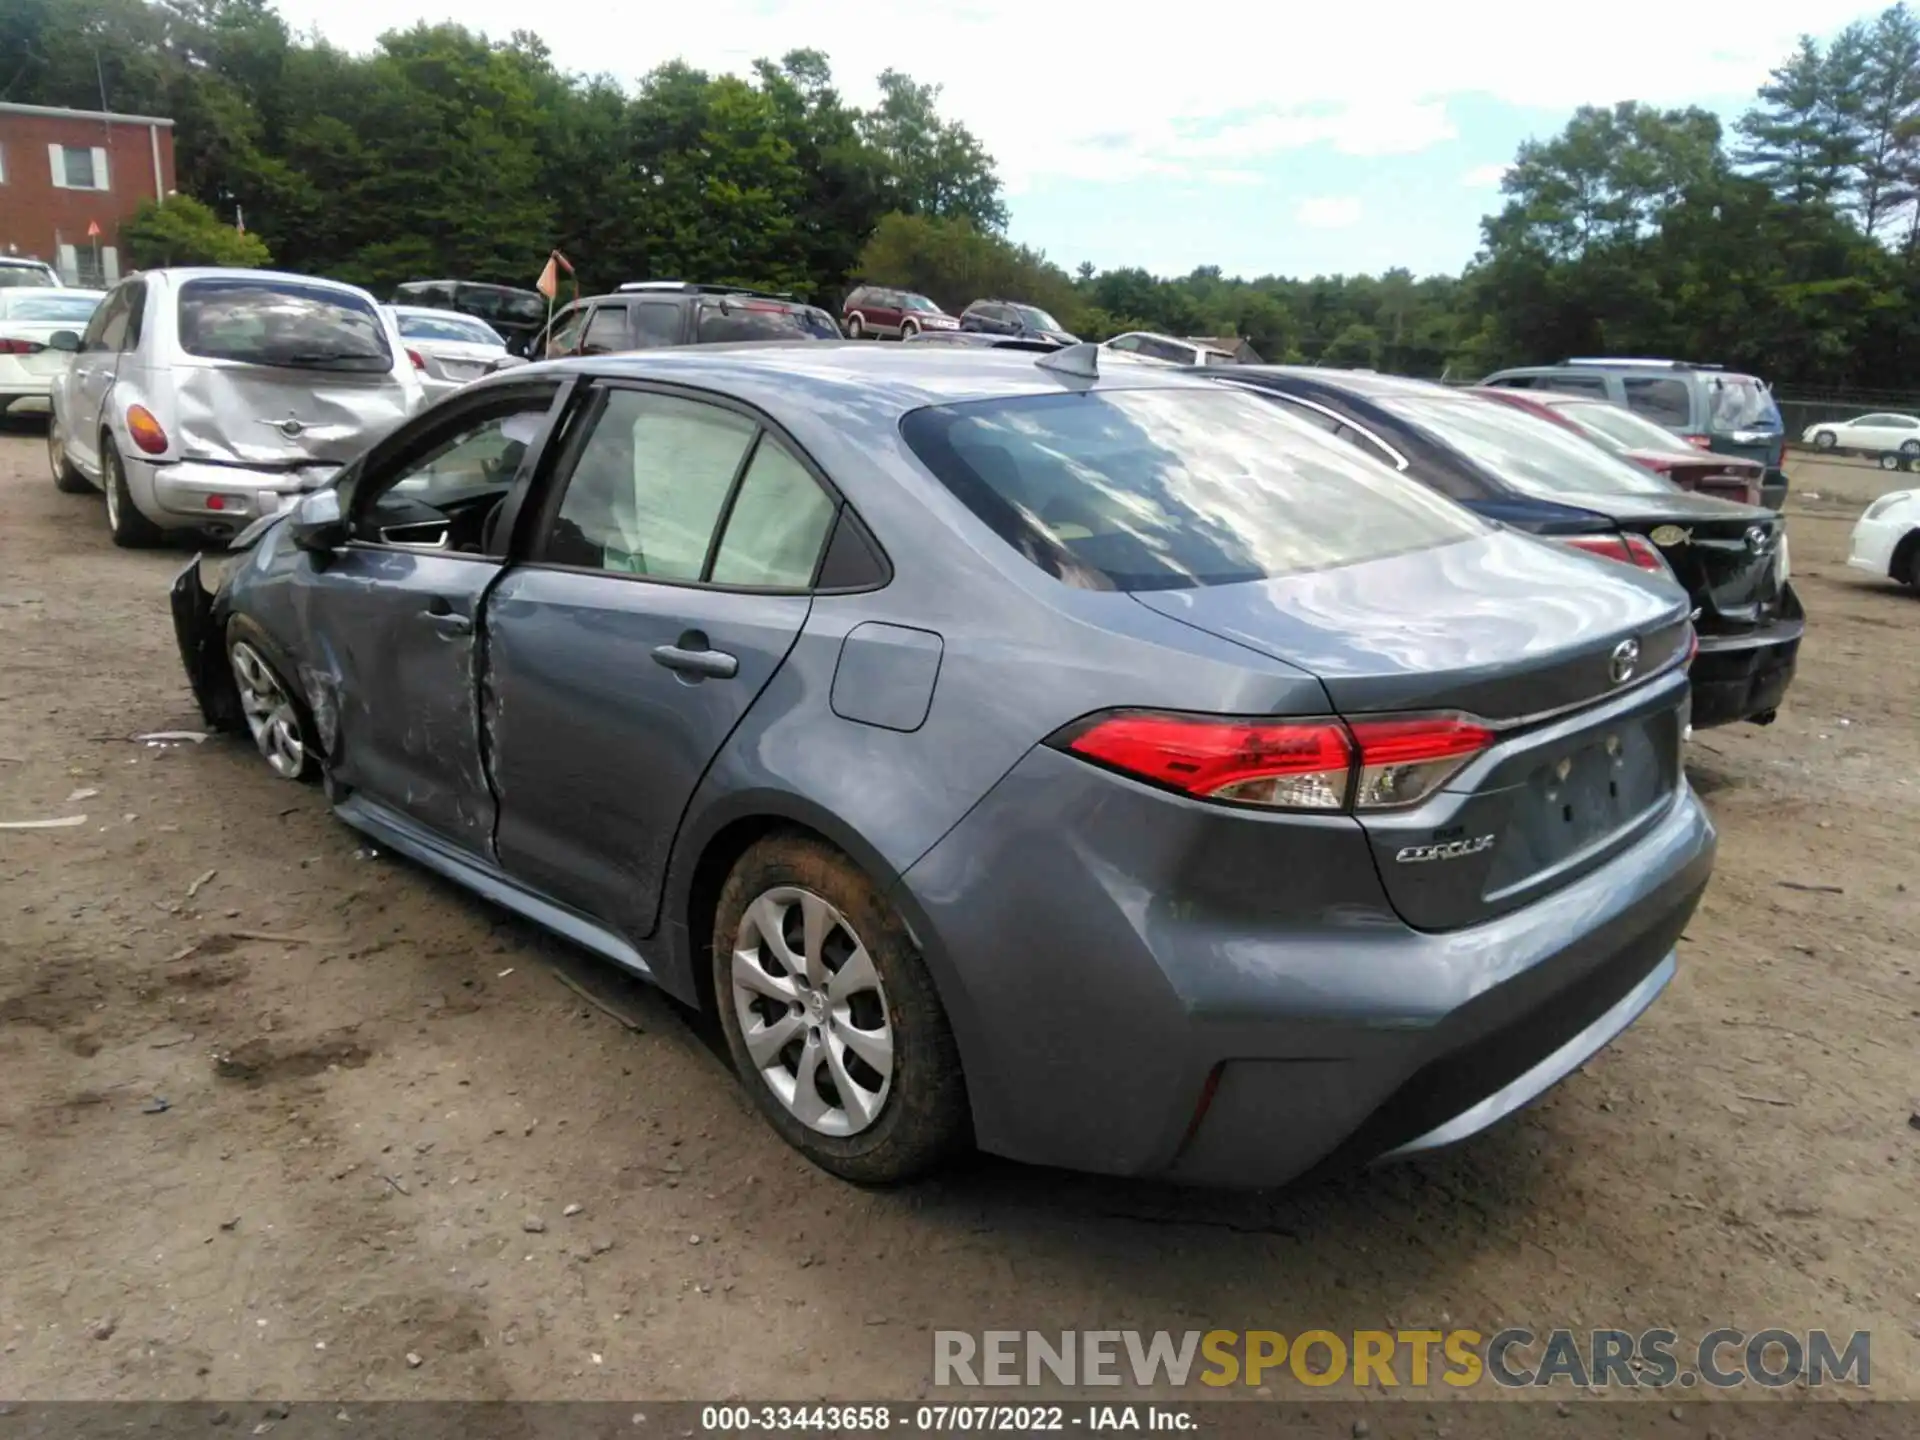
{"x": 276, "y": 715}
{"x": 1825, "y": 440}
{"x": 1912, "y": 576}
{"x": 131, "y": 530}
{"x": 909, "y": 329}
{"x": 66, "y": 479}
{"x": 876, "y": 1126}
{"x": 1890, "y": 461}
{"x": 856, "y": 326}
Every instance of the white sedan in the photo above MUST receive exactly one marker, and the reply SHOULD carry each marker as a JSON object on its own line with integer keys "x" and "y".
{"x": 449, "y": 349}
{"x": 1887, "y": 539}
{"x": 28, "y": 319}
{"x": 1882, "y": 433}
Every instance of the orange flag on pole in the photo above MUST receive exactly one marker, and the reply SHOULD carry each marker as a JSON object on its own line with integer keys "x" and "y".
{"x": 549, "y": 281}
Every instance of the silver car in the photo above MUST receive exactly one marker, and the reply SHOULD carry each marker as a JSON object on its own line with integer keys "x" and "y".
{"x": 202, "y": 399}
{"x": 448, "y": 349}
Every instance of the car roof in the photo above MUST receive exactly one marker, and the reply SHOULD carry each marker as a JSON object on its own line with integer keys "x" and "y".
{"x": 905, "y": 377}
{"x": 180, "y": 274}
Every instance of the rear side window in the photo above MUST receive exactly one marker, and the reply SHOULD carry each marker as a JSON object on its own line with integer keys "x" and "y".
{"x": 1665, "y": 402}
{"x": 1577, "y": 385}
{"x": 282, "y": 323}
{"x": 1171, "y": 489}
{"x": 777, "y": 525}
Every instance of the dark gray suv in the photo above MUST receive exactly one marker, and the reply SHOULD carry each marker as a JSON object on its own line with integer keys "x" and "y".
{"x": 1711, "y": 408}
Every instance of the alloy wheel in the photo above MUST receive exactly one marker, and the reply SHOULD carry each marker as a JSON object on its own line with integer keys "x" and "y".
{"x": 812, "y": 1011}
{"x": 269, "y": 712}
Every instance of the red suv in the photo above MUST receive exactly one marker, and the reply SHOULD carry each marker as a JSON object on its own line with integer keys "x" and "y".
{"x": 876, "y": 311}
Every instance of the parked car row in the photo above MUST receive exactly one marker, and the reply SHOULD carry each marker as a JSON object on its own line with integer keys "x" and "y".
{"x": 883, "y": 312}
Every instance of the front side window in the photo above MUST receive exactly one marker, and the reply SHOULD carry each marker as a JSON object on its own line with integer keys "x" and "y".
{"x": 564, "y": 339}
{"x": 107, "y": 330}
{"x": 1665, "y": 402}
{"x": 1171, "y": 489}
{"x": 282, "y": 323}
{"x": 442, "y": 492}
{"x": 1533, "y": 455}
{"x": 1036, "y": 319}
{"x": 1127, "y": 343}
{"x": 1578, "y": 385}
{"x": 922, "y": 304}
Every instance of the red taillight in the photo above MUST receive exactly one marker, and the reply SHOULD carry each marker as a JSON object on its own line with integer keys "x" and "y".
{"x": 1699, "y": 442}
{"x": 1628, "y": 549}
{"x": 1294, "y": 764}
{"x": 1284, "y": 764}
{"x": 10, "y": 346}
{"x": 145, "y": 431}
{"x": 419, "y": 360}
{"x": 1404, "y": 761}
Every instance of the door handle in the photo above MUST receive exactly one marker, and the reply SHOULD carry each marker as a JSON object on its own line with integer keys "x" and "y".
{"x": 439, "y": 614}
{"x": 697, "y": 660}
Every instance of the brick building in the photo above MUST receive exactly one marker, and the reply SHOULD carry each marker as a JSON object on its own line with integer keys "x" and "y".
{"x": 63, "y": 172}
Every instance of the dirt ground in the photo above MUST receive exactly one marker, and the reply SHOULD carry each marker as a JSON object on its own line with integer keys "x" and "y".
{"x": 374, "y": 1127}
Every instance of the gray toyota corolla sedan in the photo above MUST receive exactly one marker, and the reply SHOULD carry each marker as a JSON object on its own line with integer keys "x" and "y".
{"x": 1054, "y": 753}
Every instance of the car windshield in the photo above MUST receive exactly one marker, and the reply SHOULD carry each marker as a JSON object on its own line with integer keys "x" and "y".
{"x": 283, "y": 323}
{"x": 26, "y": 277}
{"x": 449, "y": 327}
{"x": 921, "y": 302}
{"x": 755, "y": 320}
{"x": 1171, "y": 489}
{"x": 1527, "y": 452}
{"x": 1740, "y": 402}
{"x": 1038, "y": 319}
{"x": 1619, "y": 430}
{"x": 76, "y": 306}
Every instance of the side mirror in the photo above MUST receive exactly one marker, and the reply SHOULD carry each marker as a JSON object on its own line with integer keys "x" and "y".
{"x": 68, "y": 340}
{"x": 318, "y": 526}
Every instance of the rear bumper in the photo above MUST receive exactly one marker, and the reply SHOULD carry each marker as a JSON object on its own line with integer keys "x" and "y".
{"x": 176, "y": 495}
{"x": 1142, "y": 985}
{"x": 1745, "y": 674}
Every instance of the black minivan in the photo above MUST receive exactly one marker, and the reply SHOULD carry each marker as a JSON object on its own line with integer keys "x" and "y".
{"x": 1707, "y": 406}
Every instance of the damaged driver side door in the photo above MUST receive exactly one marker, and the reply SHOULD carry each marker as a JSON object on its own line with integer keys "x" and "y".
{"x": 400, "y": 604}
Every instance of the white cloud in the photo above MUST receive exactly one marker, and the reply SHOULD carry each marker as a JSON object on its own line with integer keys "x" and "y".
{"x": 1329, "y": 212}
{"x": 1114, "y": 102}
{"x": 1485, "y": 177}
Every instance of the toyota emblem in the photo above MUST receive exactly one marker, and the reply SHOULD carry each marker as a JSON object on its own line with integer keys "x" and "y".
{"x": 1625, "y": 656}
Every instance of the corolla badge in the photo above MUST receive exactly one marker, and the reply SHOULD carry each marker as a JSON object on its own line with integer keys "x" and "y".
{"x": 1620, "y": 665}
{"x": 1451, "y": 850}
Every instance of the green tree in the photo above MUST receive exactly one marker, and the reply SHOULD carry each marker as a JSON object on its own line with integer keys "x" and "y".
{"x": 1802, "y": 137}
{"x": 182, "y": 231}
{"x": 933, "y": 167}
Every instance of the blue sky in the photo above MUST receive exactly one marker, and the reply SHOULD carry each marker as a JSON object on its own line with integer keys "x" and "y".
{"x": 1258, "y": 137}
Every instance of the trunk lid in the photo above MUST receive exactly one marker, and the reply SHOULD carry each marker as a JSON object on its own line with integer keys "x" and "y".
{"x": 1517, "y": 632}
{"x": 456, "y": 360}
{"x": 1726, "y": 554}
{"x": 1723, "y": 478}
{"x": 270, "y": 417}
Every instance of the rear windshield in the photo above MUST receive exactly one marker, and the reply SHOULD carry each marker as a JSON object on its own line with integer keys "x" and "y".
{"x": 1171, "y": 489}
{"x": 75, "y": 306}
{"x": 502, "y": 303}
{"x": 757, "y": 320}
{"x": 26, "y": 277}
{"x": 282, "y": 323}
{"x": 448, "y": 327}
{"x": 1620, "y": 429}
{"x": 1740, "y": 402}
{"x": 1527, "y": 452}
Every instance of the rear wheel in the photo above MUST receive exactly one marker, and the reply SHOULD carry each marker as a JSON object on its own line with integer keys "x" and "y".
{"x": 131, "y": 529}
{"x": 275, "y": 717}
{"x": 66, "y": 479}
{"x": 1825, "y": 440}
{"x": 1889, "y": 460}
{"x": 831, "y": 1018}
{"x": 856, "y": 326}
